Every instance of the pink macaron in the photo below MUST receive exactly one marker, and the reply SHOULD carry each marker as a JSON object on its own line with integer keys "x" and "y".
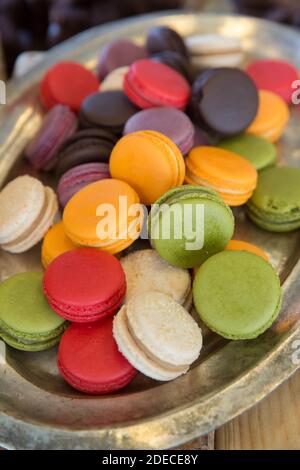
{"x": 59, "y": 124}
{"x": 78, "y": 177}
{"x": 151, "y": 84}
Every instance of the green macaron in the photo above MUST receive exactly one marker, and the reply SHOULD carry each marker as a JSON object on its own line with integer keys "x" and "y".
{"x": 189, "y": 224}
{"x": 27, "y": 322}
{"x": 259, "y": 151}
{"x": 275, "y": 204}
{"x": 237, "y": 294}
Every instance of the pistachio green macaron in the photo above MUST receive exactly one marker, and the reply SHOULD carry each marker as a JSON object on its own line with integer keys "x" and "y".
{"x": 27, "y": 322}
{"x": 237, "y": 294}
{"x": 189, "y": 224}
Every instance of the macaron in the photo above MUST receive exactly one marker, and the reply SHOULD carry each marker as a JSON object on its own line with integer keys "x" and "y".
{"x": 224, "y": 101}
{"x": 157, "y": 336}
{"x": 189, "y": 224}
{"x": 79, "y": 177}
{"x": 89, "y": 360}
{"x": 55, "y": 243}
{"x": 258, "y": 151}
{"x": 146, "y": 271}
{"x": 106, "y": 214}
{"x": 240, "y": 245}
{"x": 176, "y": 61}
{"x": 85, "y": 146}
{"x": 59, "y": 124}
{"x": 26, "y": 320}
{"x": 27, "y": 210}
{"x": 109, "y": 110}
{"x": 150, "y": 84}
{"x": 171, "y": 122}
{"x": 118, "y": 54}
{"x": 164, "y": 38}
{"x": 214, "y": 50}
{"x": 272, "y": 117}
{"x": 67, "y": 83}
{"x": 85, "y": 285}
{"x": 150, "y": 162}
{"x": 237, "y": 294}
{"x": 275, "y": 75}
{"x": 114, "y": 80}
{"x": 275, "y": 204}
{"x": 231, "y": 175}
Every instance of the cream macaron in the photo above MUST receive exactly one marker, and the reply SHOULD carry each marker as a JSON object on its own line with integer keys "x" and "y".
{"x": 27, "y": 211}
{"x": 157, "y": 336}
{"x": 146, "y": 271}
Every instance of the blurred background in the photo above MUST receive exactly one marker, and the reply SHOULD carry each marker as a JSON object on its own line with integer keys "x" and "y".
{"x": 39, "y": 24}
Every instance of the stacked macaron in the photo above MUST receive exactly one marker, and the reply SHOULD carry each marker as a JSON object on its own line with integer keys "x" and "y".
{"x": 175, "y": 128}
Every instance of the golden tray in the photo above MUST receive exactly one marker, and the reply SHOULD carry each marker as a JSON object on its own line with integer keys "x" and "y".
{"x": 38, "y": 410}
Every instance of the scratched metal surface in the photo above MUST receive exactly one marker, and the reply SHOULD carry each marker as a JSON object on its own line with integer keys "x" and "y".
{"x": 37, "y": 408}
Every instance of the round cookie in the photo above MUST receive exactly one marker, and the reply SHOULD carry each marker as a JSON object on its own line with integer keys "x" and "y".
{"x": 237, "y": 294}
{"x": 157, "y": 336}
{"x": 275, "y": 204}
{"x": 214, "y": 50}
{"x": 146, "y": 271}
{"x": 163, "y": 38}
{"x": 240, "y": 245}
{"x": 26, "y": 320}
{"x": 114, "y": 80}
{"x": 89, "y": 360}
{"x": 55, "y": 243}
{"x": 258, "y": 151}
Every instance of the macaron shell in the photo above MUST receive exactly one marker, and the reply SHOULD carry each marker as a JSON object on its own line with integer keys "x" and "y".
{"x": 26, "y": 320}
{"x": 40, "y": 227}
{"x": 228, "y": 173}
{"x": 272, "y": 117}
{"x": 89, "y": 360}
{"x": 85, "y": 284}
{"x": 274, "y": 75}
{"x": 114, "y": 80}
{"x": 130, "y": 349}
{"x": 67, "y": 83}
{"x": 150, "y": 162}
{"x": 149, "y": 83}
{"x": 55, "y": 243}
{"x": 237, "y": 294}
{"x": 81, "y": 220}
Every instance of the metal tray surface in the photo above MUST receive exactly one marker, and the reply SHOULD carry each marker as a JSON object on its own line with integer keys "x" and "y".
{"x": 38, "y": 410}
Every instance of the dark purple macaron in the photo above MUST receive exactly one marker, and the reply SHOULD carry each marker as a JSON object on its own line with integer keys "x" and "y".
{"x": 163, "y": 38}
{"x": 79, "y": 177}
{"x": 59, "y": 124}
{"x": 178, "y": 62}
{"x": 169, "y": 121}
{"x": 118, "y": 54}
{"x": 86, "y": 146}
{"x": 224, "y": 101}
{"x": 108, "y": 110}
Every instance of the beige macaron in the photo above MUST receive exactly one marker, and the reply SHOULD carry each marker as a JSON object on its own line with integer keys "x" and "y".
{"x": 27, "y": 210}
{"x": 114, "y": 80}
{"x": 214, "y": 50}
{"x": 146, "y": 271}
{"x": 157, "y": 336}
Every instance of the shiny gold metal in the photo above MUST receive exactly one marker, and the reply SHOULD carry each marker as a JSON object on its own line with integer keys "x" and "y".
{"x": 37, "y": 409}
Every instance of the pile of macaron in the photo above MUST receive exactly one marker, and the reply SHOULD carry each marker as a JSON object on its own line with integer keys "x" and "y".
{"x": 171, "y": 123}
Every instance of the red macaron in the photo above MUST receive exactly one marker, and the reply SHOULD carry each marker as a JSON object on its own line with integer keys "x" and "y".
{"x": 67, "y": 83}
{"x": 150, "y": 84}
{"x": 89, "y": 359}
{"x": 274, "y": 75}
{"x": 85, "y": 285}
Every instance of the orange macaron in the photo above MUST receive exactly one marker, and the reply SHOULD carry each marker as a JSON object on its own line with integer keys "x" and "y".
{"x": 55, "y": 243}
{"x": 240, "y": 245}
{"x": 150, "y": 162}
{"x": 106, "y": 214}
{"x": 272, "y": 116}
{"x": 231, "y": 175}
